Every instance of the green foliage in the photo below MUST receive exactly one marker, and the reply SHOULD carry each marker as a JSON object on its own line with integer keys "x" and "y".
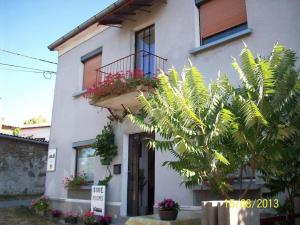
{"x": 16, "y": 131}
{"x": 105, "y": 181}
{"x": 36, "y": 120}
{"x": 41, "y": 205}
{"x": 284, "y": 176}
{"x": 74, "y": 182}
{"x": 214, "y": 131}
{"x": 105, "y": 146}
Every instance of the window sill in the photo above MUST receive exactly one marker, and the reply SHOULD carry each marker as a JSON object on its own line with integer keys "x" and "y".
{"x": 221, "y": 41}
{"x": 86, "y": 187}
{"x": 78, "y": 94}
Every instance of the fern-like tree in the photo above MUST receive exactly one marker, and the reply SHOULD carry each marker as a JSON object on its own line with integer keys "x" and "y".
{"x": 214, "y": 131}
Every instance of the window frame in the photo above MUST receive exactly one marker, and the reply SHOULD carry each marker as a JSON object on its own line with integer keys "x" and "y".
{"x": 220, "y": 35}
{"x": 137, "y": 32}
{"x": 77, "y": 149}
{"x": 85, "y": 58}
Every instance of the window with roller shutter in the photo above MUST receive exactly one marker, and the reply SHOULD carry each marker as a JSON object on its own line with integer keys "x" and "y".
{"x": 220, "y": 18}
{"x": 90, "y": 71}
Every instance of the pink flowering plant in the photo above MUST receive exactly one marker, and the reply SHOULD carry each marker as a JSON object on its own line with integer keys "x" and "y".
{"x": 74, "y": 182}
{"x": 56, "y": 213}
{"x": 41, "y": 205}
{"x": 168, "y": 204}
{"x": 71, "y": 217}
{"x": 104, "y": 220}
{"x": 88, "y": 218}
{"x": 119, "y": 83}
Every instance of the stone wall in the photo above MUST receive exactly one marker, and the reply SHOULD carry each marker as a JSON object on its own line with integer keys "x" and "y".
{"x": 22, "y": 165}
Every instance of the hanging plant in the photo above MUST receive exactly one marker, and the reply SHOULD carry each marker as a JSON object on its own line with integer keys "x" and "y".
{"x": 106, "y": 149}
{"x": 105, "y": 146}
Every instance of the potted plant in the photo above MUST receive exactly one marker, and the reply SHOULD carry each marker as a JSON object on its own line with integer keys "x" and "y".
{"x": 74, "y": 182}
{"x": 41, "y": 206}
{"x": 104, "y": 220}
{"x": 71, "y": 217}
{"x": 88, "y": 218}
{"x": 56, "y": 213}
{"x": 168, "y": 209}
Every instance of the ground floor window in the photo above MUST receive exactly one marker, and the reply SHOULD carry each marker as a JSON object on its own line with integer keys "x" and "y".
{"x": 85, "y": 162}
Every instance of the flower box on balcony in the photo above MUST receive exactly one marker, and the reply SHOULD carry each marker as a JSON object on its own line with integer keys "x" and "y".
{"x": 119, "y": 89}
{"x": 117, "y": 84}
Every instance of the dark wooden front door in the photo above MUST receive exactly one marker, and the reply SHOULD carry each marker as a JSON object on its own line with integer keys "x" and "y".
{"x": 141, "y": 176}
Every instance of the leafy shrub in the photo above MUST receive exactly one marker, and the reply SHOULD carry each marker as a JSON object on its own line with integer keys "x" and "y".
{"x": 105, "y": 146}
{"x": 56, "y": 213}
{"x": 41, "y": 205}
{"x": 71, "y": 217}
{"x": 88, "y": 218}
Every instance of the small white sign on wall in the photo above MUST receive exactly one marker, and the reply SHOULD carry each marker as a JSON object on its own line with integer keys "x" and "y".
{"x": 51, "y": 160}
{"x": 98, "y": 200}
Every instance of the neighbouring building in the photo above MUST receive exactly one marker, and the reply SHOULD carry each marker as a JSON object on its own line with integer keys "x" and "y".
{"x": 22, "y": 165}
{"x": 144, "y": 36}
{"x": 34, "y": 131}
{"x": 7, "y": 129}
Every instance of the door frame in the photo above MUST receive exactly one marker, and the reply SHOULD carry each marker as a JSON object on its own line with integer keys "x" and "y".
{"x": 150, "y": 177}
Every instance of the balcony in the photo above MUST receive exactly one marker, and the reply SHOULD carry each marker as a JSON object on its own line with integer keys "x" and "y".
{"x": 118, "y": 84}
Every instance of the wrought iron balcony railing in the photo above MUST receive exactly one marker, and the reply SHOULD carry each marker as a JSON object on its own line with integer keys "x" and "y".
{"x": 121, "y": 75}
{"x": 141, "y": 63}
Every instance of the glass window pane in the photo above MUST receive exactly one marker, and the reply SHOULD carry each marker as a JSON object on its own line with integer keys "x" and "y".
{"x": 145, "y": 41}
{"x": 85, "y": 162}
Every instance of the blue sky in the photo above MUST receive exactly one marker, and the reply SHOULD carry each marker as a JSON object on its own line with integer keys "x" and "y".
{"x": 28, "y": 27}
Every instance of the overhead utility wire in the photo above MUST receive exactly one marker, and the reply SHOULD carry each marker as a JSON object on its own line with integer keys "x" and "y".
{"x": 26, "y": 56}
{"x": 24, "y": 67}
{"x": 47, "y": 74}
{"x": 29, "y": 71}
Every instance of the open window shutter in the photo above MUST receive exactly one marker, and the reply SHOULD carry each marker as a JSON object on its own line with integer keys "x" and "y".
{"x": 219, "y": 15}
{"x": 90, "y": 71}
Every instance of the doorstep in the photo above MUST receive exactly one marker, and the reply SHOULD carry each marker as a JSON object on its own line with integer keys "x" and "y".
{"x": 183, "y": 218}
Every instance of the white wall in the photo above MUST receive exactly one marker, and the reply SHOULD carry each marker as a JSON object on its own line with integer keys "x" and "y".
{"x": 36, "y": 132}
{"x": 176, "y": 28}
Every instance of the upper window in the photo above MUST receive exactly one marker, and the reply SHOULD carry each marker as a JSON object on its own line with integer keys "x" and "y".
{"x": 90, "y": 71}
{"x": 85, "y": 162}
{"x": 220, "y": 18}
{"x": 92, "y": 62}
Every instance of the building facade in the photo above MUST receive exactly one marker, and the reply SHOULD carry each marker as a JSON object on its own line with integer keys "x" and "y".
{"x": 36, "y": 131}
{"x": 156, "y": 33}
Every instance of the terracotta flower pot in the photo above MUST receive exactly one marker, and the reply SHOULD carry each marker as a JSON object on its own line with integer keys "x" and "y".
{"x": 168, "y": 214}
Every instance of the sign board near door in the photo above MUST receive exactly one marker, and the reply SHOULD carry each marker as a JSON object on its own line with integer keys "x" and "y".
{"x": 51, "y": 160}
{"x": 98, "y": 200}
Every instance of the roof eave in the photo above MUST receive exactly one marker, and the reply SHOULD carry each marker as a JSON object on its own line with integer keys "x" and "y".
{"x": 85, "y": 25}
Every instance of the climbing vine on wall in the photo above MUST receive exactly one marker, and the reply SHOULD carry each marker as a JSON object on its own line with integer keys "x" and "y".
{"x": 106, "y": 149}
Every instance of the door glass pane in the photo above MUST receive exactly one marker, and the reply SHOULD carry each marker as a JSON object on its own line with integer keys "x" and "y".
{"x": 145, "y": 50}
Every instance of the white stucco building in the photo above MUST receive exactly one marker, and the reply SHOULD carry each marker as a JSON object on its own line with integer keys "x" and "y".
{"x": 168, "y": 33}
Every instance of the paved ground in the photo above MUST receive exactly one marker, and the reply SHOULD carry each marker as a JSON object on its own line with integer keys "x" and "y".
{"x": 16, "y": 212}
{"x": 22, "y": 216}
